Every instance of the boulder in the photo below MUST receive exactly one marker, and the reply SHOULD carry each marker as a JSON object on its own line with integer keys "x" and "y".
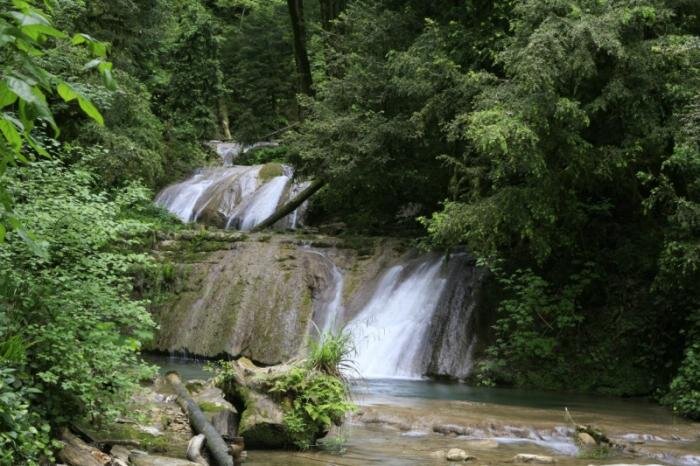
{"x": 222, "y": 414}
{"x": 262, "y": 423}
{"x": 585, "y": 439}
{"x": 120, "y": 452}
{"x": 457, "y": 454}
{"x": 533, "y": 459}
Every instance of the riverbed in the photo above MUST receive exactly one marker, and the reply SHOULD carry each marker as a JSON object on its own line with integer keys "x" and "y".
{"x": 409, "y": 422}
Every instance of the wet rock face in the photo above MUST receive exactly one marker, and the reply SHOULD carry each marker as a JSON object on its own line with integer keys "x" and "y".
{"x": 254, "y": 298}
{"x": 264, "y": 296}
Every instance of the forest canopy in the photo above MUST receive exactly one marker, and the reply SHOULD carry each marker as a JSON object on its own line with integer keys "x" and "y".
{"x": 558, "y": 140}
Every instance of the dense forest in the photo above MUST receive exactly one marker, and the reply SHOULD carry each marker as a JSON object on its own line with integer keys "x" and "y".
{"x": 558, "y": 140}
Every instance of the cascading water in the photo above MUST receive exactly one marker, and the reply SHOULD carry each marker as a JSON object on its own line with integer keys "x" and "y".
{"x": 389, "y": 333}
{"x": 419, "y": 320}
{"x": 233, "y": 196}
{"x": 328, "y": 309}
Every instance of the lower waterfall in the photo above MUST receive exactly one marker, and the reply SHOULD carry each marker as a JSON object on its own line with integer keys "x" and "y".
{"x": 390, "y": 333}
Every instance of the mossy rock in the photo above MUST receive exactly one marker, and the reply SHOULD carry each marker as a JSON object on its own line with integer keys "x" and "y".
{"x": 271, "y": 170}
{"x": 262, "y": 423}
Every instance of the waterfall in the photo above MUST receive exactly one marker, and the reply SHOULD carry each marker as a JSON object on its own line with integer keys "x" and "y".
{"x": 390, "y": 332}
{"x": 181, "y": 199}
{"x": 233, "y": 196}
{"x": 260, "y": 205}
{"x": 328, "y": 308}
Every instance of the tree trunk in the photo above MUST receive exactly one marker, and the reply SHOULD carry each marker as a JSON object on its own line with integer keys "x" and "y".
{"x": 223, "y": 115}
{"x": 301, "y": 56}
{"x": 292, "y": 205}
{"x": 218, "y": 449}
{"x": 330, "y": 10}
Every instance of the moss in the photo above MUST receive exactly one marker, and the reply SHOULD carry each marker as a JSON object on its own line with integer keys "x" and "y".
{"x": 209, "y": 407}
{"x": 125, "y": 433}
{"x": 271, "y": 170}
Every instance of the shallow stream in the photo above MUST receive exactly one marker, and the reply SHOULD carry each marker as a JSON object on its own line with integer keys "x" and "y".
{"x": 403, "y": 422}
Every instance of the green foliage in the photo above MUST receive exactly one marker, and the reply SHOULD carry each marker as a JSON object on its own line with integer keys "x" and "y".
{"x": 578, "y": 155}
{"x": 25, "y": 34}
{"x": 70, "y": 307}
{"x": 332, "y": 354}
{"x": 684, "y": 394}
{"x": 314, "y": 401}
{"x": 264, "y": 155}
{"x": 24, "y": 436}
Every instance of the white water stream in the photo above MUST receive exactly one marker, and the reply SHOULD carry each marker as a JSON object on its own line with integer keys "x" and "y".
{"x": 391, "y": 330}
{"x": 232, "y": 196}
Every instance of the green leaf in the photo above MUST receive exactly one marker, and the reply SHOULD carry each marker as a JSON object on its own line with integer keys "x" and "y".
{"x": 90, "y": 110}
{"x": 11, "y": 134}
{"x": 21, "y": 89}
{"x": 66, "y": 92}
{"x": 7, "y": 97}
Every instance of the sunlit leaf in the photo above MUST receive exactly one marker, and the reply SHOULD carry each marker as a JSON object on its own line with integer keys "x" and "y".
{"x": 90, "y": 110}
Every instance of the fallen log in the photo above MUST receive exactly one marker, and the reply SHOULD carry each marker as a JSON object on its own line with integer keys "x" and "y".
{"x": 75, "y": 452}
{"x": 194, "y": 450}
{"x": 216, "y": 445}
{"x": 291, "y": 206}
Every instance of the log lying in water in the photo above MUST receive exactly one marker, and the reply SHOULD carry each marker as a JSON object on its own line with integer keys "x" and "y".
{"x": 216, "y": 445}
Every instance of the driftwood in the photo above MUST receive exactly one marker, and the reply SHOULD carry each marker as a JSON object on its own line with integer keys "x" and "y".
{"x": 292, "y": 205}
{"x": 216, "y": 445}
{"x": 194, "y": 450}
{"x": 78, "y": 453}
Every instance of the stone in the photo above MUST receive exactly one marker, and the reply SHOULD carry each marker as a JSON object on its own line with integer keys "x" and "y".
{"x": 120, "y": 452}
{"x": 585, "y": 440}
{"x": 262, "y": 423}
{"x": 152, "y": 460}
{"x": 488, "y": 444}
{"x": 450, "y": 429}
{"x": 457, "y": 454}
{"x": 439, "y": 454}
{"x": 533, "y": 459}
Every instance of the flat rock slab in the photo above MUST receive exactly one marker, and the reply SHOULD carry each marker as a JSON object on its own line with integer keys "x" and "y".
{"x": 149, "y": 460}
{"x": 533, "y": 459}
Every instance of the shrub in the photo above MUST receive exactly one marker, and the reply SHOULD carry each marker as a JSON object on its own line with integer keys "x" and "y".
{"x": 314, "y": 401}
{"x": 684, "y": 393}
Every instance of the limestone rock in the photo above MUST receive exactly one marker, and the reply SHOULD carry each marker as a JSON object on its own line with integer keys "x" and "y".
{"x": 262, "y": 423}
{"x": 457, "y": 454}
{"x": 120, "y": 452}
{"x": 533, "y": 459}
{"x": 585, "y": 439}
{"x": 151, "y": 460}
{"x": 488, "y": 444}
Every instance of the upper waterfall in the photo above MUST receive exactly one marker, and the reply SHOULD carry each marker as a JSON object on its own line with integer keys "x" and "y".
{"x": 233, "y": 196}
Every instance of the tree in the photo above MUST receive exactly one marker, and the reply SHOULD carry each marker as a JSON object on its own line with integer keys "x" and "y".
{"x": 301, "y": 56}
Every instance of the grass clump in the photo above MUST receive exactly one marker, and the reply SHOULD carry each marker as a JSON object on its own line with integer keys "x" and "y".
{"x": 332, "y": 354}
